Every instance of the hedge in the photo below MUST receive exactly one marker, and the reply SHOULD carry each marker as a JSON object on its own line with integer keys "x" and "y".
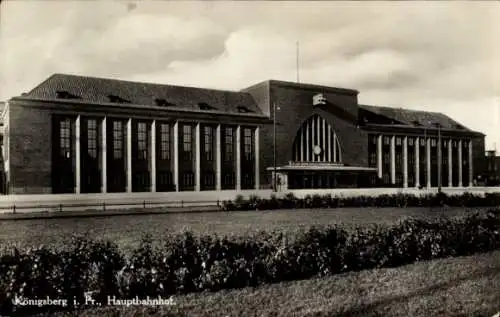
{"x": 395, "y": 200}
{"x": 185, "y": 263}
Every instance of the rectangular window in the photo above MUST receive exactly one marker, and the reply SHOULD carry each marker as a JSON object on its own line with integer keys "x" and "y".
{"x": 92, "y": 138}
{"x": 228, "y": 140}
{"x": 187, "y": 141}
{"x": 247, "y": 143}
{"x": 117, "y": 139}
{"x": 209, "y": 140}
{"x": 65, "y": 138}
{"x": 164, "y": 141}
{"x": 398, "y": 140}
{"x": 387, "y": 140}
{"x": 422, "y": 142}
{"x": 433, "y": 142}
{"x": 410, "y": 141}
{"x": 188, "y": 179}
{"x": 142, "y": 141}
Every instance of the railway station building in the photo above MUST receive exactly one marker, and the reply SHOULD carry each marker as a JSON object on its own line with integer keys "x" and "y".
{"x": 78, "y": 134}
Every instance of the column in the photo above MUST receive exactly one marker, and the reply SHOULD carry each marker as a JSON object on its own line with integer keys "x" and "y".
{"x": 197, "y": 172}
{"x": 176, "y": 156}
{"x": 393, "y": 159}
{"x": 238, "y": 158}
{"x": 405, "y": 162}
{"x": 257, "y": 157}
{"x": 471, "y": 174}
{"x": 104, "y": 148}
{"x": 129, "y": 155}
{"x": 318, "y": 126}
{"x": 218, "y": 159}
{"x": 302, "y": 145}
{"x": 379, "y": 156}
{"x": 450, "y": 163}
{"x": 460, "y": 163}
{"x": 313, "y": 139}
{"x": 78, "y": 172}
{"x": 324, "y": 142}
{"x": 334, "y": 145}
{"x": 153, "y": 156}
{"x": 329, "y": 149}
{"x": 308, "y": 148}
{"x": 428, "y": 162}
{"x": 417, "y": 161}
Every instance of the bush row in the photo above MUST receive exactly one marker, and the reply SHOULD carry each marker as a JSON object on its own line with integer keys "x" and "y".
{"x": 185, "y": 263}
{"x": 395, "y": 200}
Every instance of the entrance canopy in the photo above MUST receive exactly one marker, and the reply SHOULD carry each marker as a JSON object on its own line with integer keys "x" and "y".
{"x": 318, "y": 166}
{"x": 322, "y": 175}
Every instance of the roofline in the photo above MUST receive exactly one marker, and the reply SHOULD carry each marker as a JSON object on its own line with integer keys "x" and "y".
{"x": 139, "y": 106}
{"x": 318, "y": 88}
{"x": 433, "y": 130}
{"x": 138, "y": 82}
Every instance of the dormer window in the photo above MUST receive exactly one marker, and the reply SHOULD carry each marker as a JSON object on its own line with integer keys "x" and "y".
{"x": 63, "y": 94}
{"x": 243, "y": 109}
{"x": 117, "y": 99}
{"x": 205, "y": 106}
{"x": 162, "y": 102}
{"x": 416, "y": 123}
{"x": 459, "y": 126}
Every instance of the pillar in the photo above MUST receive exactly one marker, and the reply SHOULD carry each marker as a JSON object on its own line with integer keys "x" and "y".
{"x": 104, "y": 148}
{"x": 405, "y": 161}
{"x": 393, "y": 159}
{"x": 78, "y": 172}
{"x": 471, "y": 174}
{"x": 197, "y": 172}
{"x": 218, "y": 159}
{"x": 428, "y": 162}
{"x": 129, "y": 155}
{"x": 257, "y": 157}
{"x": 176, "y": 156}
{"x": 450, "y": 163}
{"x": 238, "y": 158}
{"x": 379, "y": 156}
{"x": 417, "y": 161}
{"x": 460, "y": 163}
{"x": 153, "y": 156}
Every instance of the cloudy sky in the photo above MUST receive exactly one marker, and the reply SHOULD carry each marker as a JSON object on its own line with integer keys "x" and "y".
{"x": 437, "y": 56}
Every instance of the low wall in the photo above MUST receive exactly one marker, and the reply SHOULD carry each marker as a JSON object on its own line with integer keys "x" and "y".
{"x": 350, "y": 192}
{"x": 116, "y": 201}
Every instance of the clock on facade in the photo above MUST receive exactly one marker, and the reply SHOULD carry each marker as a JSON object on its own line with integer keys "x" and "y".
{"x": 317, "y": 150}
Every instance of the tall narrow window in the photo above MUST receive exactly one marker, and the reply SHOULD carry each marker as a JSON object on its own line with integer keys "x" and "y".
{"x": 229, "y": 144}
{"x": 187, "y": 141}
{"x": 92, "y": 138}
{"x": 142, "y": 141}
{"x": 117, "y": 139}
{"x": 247, "y": 141}
{"x": 65, "y": 138}
{"x": 165, "y": 141}
{"x": 208, "y": 136}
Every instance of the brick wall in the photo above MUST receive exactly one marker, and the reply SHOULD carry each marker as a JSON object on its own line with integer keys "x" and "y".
{"x": 295, "y": 106}
{"x": 30, "y": 149}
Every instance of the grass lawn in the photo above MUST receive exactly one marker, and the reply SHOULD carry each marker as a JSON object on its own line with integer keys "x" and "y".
{"x": 464, "y": 286}
{"x": 126, "y": 231}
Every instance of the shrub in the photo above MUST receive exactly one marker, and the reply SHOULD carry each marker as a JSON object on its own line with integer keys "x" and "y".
{"x": 185, "y": 263}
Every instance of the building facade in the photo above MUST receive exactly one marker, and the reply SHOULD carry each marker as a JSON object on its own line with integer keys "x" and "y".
{"x": 75, "y": 134}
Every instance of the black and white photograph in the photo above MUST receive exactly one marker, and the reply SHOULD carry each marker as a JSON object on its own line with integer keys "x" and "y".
{"x": 249, "y": 158}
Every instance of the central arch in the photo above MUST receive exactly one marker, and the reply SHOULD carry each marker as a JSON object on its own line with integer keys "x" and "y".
{"x": 316, "y": 141}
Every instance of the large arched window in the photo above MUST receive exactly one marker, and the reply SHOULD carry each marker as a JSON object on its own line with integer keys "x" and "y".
{"x": 316, "y": 141}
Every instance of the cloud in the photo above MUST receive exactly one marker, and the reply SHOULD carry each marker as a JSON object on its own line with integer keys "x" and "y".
{"x": 439, "y": 56}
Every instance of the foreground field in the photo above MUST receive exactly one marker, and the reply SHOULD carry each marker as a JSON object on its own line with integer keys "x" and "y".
{"x": 126, "y": 231}
{"x": 463, "y": 286}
